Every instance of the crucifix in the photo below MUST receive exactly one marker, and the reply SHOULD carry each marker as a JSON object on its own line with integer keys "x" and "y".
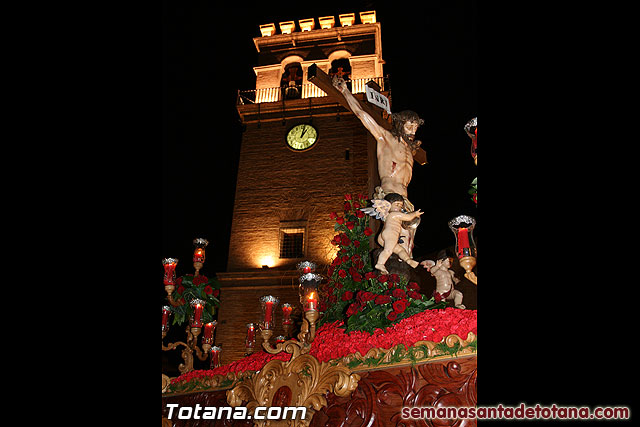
{"x": 396, "y": 147}
{"x": 323, "y": 81}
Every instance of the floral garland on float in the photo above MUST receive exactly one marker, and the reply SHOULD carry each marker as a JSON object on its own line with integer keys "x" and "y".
{"x": 368, "y": 319}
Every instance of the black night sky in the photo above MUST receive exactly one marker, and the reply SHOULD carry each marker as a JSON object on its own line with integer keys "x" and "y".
{"x": 430, "y": 53}
{"x": 558, "y": 160}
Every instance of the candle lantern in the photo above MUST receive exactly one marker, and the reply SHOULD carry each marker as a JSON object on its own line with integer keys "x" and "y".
{"x": 169, "y": 274}
{"x": 166, "y": 311}
{"x": 199, "y": 253}
{"x": 287, "y": 309}
{"x": 209, "y": 330}
{"x": 215, "y": 356}
{"x": 268, "y": 303}
{"x": 196, "y": 318}
{"x": 305, "y": 267}
{"x": 308, "y": 290}
{"x": 250, "y": 340}
{"x": 462, "y": 227}
{"x": 471, "y": 128}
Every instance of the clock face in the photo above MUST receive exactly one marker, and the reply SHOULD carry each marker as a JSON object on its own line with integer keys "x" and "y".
{"x": 302, "y": 137}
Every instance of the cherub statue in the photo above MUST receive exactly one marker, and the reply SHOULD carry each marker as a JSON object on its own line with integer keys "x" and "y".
{"x": 445, "y": 279}
{"x": 390, "y": 210}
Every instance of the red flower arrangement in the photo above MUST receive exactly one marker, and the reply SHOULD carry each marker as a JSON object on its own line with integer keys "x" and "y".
{"x": 189, "y": 287}
{"x": 333, "y": 342}
{"x": 354, "y": 292}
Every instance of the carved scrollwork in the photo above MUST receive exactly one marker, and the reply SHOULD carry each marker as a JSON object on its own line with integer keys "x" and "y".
{"x": 420, "y": 350}
{"x": 302, "y": 381}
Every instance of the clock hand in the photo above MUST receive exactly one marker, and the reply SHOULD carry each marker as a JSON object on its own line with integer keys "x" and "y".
{"x": 303, "y": 131}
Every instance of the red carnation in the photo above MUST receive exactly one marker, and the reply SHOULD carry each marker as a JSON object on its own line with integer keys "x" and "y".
{"x": 347, "y": 296}
{"x": 333, "y": 215}
{"x": 208, "y": 290}
{"x": 394, "y": 278}
{"x": 345, "y": 240}
{"x": 356, "y": 205}
{"x": 347, "y": 196}
{"x": 392, "y": 316}
{"x": 383, "y": 278}
{"x": 399, "y": 306}
{"x": 356, "y": 243}
{"x": 216, "y": 293}
{"x": 342, "y": 273}
{"x": 340, "y": 220}
{"x": 359, "y": 214}
{"x": 368, "y": 231}
{"x": 347, "y": 206}
{"x": 180, "y": 289}
{"x": 399, "y": 293}
{"x": 356, "y": 277}
{"x": 350, "y": 225}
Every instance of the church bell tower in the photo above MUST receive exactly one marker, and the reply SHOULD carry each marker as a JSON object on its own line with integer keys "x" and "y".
{"x": 301, "y": 153}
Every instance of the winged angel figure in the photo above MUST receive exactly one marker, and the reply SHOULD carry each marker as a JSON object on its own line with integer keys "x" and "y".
{"x": 390, "y": 211}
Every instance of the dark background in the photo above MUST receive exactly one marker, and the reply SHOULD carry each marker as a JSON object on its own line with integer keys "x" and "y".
{"x": 557, "y": 278}
{"x": 208, "y": 55}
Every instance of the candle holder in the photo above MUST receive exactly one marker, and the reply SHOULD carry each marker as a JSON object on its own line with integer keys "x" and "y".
{"x": 287, "y": 323}
{"x": 199, "y": 254}
{"x": 308, "y": 291}
{"x": 207, "y": 337}
{"x": 306, "y": 267}
{"x": 250, "y": 340}
{"x": 170, "y": 274}
{"x": 462, "y": 227}
{"x": 471, "y": 128}
{"x": 166, "y": 311}
{"x": 268, "y": 304}
{"x": 196, "y": 318}
{"x": 215, "y": 357}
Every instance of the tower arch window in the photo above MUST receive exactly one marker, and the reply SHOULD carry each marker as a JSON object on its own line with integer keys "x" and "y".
{"x": 291, "y": 81}
{"x": 341, "y": 67}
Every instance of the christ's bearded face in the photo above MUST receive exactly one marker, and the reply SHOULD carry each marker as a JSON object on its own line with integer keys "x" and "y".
{"x": 409, "y": 132}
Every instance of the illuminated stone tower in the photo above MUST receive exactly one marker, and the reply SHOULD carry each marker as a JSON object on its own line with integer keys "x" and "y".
{"x": 301, "y": 153}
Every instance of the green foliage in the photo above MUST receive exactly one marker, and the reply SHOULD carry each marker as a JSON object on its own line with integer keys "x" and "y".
{"x": 355, "y": 292}
{"x": 188, "y": 288}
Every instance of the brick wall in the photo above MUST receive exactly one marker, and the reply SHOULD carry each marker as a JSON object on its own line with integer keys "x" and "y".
{"x": 276, "y": 184}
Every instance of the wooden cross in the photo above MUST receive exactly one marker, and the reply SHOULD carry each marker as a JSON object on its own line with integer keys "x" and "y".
{"x": 323, "y": 81}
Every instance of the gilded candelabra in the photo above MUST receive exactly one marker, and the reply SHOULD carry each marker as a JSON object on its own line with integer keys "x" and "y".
{"x": 308, "y": 290}
{"x": 462, "y": 227}
{"x": 195, "y": 327}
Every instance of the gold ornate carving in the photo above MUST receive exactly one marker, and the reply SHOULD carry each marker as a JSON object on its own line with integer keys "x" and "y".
{"x": 165, "y": 382}
{"x": 303, "y": 381}
{"x": 468, "y": 262}
{"x": 433, "y": 350}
